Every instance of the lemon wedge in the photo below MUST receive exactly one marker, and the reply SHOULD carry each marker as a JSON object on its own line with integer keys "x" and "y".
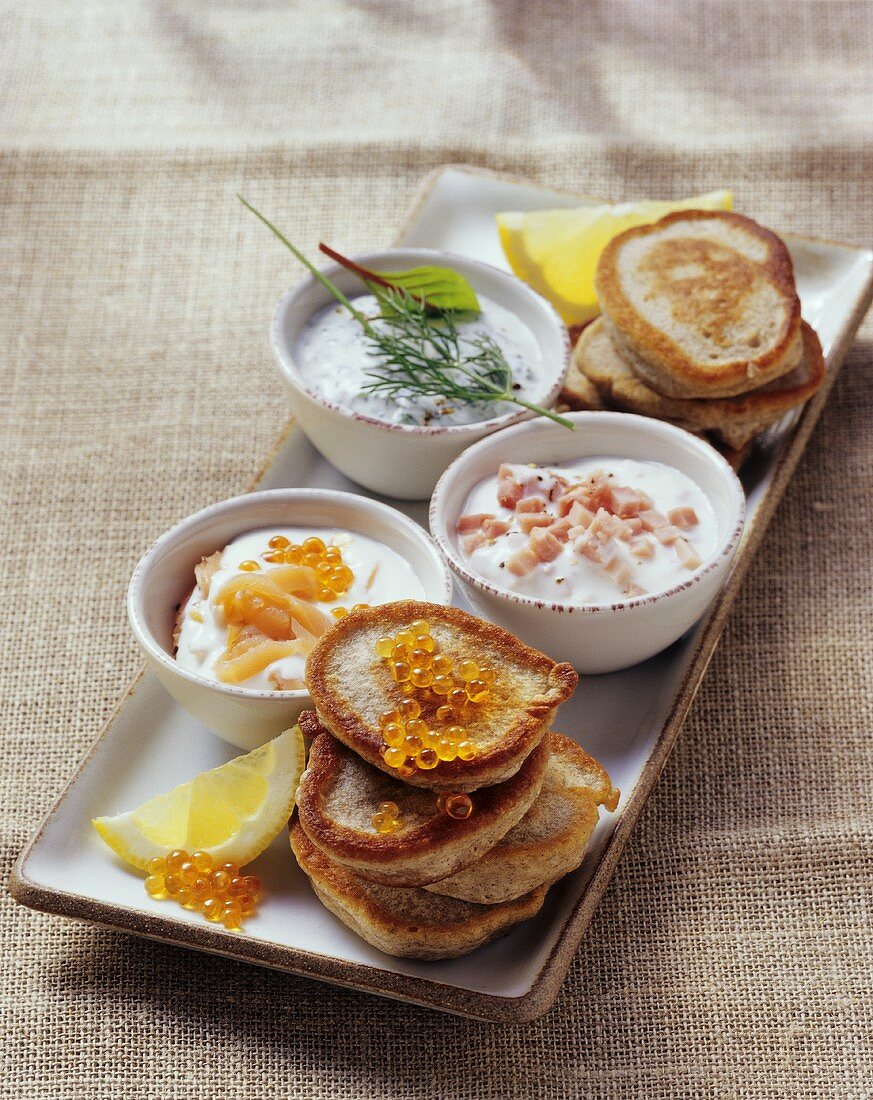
{"x": 556, "y": 251}
{"x": 232, "y": 812}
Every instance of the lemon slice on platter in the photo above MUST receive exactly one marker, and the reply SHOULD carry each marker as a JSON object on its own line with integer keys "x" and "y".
{"x": 232, "y": 812}
{"x": 556, "y": 251}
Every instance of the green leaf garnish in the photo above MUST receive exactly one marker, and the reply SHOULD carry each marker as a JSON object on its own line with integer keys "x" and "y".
{"x": 437, "y": 288}
{"x": 440, "y": 287}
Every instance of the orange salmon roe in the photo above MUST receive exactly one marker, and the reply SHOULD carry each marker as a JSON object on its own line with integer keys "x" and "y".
{"x": 219, "y": 893}
{"x": 417, "y": 666}
{"x": 387, "y": 817}
{"x": 334, "y": 576}
{"x": 456, "y": 805}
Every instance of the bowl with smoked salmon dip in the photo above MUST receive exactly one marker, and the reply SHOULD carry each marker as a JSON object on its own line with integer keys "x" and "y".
{"x": 228, "y": 603}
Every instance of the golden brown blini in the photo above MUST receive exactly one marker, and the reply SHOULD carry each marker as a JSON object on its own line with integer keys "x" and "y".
{"x": 701, "y": 304}
{"x": 735, "y": 420}
{"x": 413, "y": 923}
{"x": 340, "y": 793}
{"x": 351, "y": 686}
{"x": 551, "y": 838}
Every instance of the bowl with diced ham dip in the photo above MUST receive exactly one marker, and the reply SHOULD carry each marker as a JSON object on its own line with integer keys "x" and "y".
{"x": 600, "y": 546}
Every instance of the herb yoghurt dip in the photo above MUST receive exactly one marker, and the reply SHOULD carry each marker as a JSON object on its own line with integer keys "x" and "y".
{"x": 335, "y": 361}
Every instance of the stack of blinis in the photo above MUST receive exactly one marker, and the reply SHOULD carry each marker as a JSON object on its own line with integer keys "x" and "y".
{"x": 700, "y": 325}
{"x": 438, "y": 806}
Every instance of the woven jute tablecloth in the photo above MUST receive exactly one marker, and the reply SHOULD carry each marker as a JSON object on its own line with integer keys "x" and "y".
{"x": 732, "y": 954}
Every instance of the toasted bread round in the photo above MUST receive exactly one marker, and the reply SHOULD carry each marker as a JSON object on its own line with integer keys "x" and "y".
{"x": 701, "y": 304}
{"x": 735, "y": 420}
{"x": 551, "y": 838}
{"x": 339, "y": 794}
{"x": 413, "y": 924}
{"x": 579, "y": 394}
{"x": 351, "y": 686}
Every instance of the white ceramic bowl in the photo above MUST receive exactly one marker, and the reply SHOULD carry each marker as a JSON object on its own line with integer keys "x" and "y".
{"x": 244, "y": 716}
{"x": 403, "y": 460}
{"x": 595, "y": 637}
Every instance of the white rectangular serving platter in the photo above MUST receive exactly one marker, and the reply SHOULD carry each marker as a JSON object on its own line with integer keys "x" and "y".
{"x": 628, "y": 720}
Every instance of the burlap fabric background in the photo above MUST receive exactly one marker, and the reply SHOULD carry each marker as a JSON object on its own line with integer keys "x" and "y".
{"x": 732, "y": 954}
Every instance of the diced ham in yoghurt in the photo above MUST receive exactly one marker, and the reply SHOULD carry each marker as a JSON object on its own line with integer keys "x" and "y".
{"x": 588, "y": 531}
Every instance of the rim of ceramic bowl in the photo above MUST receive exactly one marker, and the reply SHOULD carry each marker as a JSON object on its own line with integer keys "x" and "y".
{"x": 355, "y": 501}
{"x": 288, "y": 365}
{"x": 624, "y": 422}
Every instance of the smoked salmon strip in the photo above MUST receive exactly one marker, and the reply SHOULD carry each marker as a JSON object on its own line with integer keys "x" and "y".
{"x": 589, "y": 547}
{"x": 595, "y": 516}
{"x": 473, "y": 541}
{"x": 206, "y": 569}
{"x": 686, "y": 553}
{"x": 561, "y": 528}
{"x": 479, "y": 528}
{"x": 619, "y": 570}
{"x": 627, "y": 502}
{"x": 643, "y": 546}
{"x": 578, "y": 515}
{"x": 652, "y": 520}
{"x": 509, "y": 490}
{"x": 237, "y": 669}
{"x": 494, "y": 528}
{"x": 579, "y": 495}
{"x": 667, "y": 534}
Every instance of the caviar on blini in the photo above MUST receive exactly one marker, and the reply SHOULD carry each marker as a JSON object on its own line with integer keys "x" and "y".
{"x": 416, "y": 664}
{"x": 219, "y": 892}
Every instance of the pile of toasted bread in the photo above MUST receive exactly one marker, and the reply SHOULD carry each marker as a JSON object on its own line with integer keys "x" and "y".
{"x": 700, "y": 325}
{"x": 430, "y": 884}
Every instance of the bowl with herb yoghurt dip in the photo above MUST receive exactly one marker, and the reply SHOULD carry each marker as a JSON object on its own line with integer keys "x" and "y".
{"x": 390, "y": 384}
{"x": 600, "y": 547}
{"x": 228, "y": 604}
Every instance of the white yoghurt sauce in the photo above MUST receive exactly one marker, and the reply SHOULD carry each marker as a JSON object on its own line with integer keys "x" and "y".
{"x": 381, "y": 576}
{"x": 571, "y": 578}
{"x": 334, "y": 359}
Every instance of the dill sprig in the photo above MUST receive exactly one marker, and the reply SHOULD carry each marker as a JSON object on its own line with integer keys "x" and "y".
{"x": 422, "y": 356}
{"x": 421, "y": 349}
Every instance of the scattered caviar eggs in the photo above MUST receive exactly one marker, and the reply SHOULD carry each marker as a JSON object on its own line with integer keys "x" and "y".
{"x": 477, "y": 690}
{"x": 408, "y": 739}
{"x": 421, "y": 677}
{"x": 456, "y": 805}
{"x": 333, "y": 575}
{"x": 197, "y": 882}
{"x": 387, "y": 817}
{"x": 427, "y": 758}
